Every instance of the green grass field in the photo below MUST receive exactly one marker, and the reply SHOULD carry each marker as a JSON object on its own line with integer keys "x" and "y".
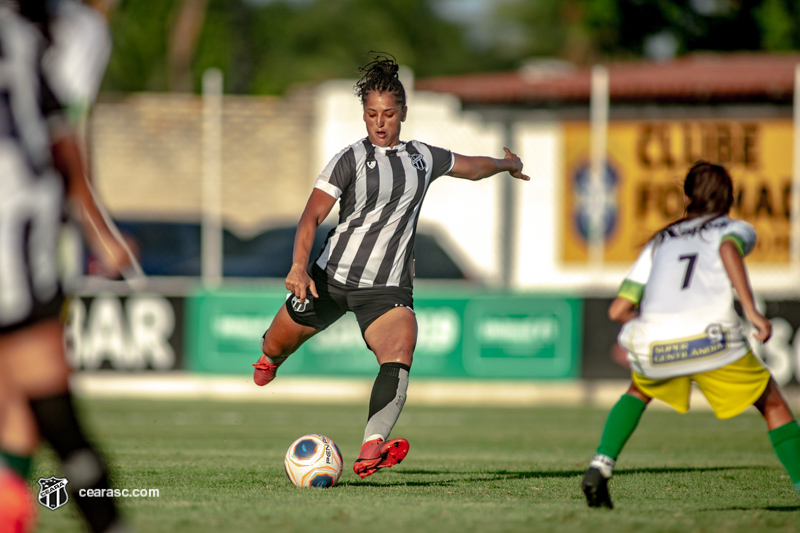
{"x": 219, "y": 467}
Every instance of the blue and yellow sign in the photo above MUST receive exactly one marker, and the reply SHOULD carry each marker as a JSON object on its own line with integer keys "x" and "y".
{"x": 643, "y": 181}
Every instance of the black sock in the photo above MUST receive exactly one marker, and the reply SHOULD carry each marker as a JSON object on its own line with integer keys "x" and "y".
{"x": 83, "y": 467}
{"x": 387, "y": 400}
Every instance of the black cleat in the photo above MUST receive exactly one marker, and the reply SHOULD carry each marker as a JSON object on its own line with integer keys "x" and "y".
{"x": 595, "y": 488}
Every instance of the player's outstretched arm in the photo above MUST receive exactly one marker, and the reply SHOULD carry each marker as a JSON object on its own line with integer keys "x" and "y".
{"x": 298, "y": 282}
{"x": 476, "y": 168}
{"x": 734, "y": 266}
{"x": 68, "y": 160}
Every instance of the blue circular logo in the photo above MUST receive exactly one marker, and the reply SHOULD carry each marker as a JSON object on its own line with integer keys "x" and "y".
{"x": 585, "y": 198}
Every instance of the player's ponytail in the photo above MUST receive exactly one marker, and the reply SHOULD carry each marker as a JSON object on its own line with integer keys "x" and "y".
{"x": 381, "y": 75}
{"x": 709, "y": 188}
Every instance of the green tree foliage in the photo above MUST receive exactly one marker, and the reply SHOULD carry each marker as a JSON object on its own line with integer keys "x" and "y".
{"x": 780, "y": 25}
{"x": 591, "y": 30}
{"x": 140, "y": 30}
{"x": 263, "y": 49}
{"x": 265, "y": 46}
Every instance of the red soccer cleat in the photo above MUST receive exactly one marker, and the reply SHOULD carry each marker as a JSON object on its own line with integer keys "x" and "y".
{"x": 264, "y": 371}
{"x": 17, "y": 511}
{"x": 376, "y": 454}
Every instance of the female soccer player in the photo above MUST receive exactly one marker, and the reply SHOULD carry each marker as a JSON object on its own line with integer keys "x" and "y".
{"x": 680, "y": 326}
{"x": 366, "y": 265}
{"x": 43, "y": 171}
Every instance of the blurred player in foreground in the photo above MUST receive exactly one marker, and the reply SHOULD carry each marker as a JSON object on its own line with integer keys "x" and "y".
{"x": 680, "y": 326}
{"x": 76, "y": 60}
{"x": 366, "y": 265}
{"x": 17, "y": 512}
{"x": 42, "y": 174}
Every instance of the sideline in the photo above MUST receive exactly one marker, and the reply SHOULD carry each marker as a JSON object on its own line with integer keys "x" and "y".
{"x": 188, "y": 386}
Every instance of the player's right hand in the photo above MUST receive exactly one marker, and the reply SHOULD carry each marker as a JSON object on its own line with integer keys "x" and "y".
{"x": 762, "y": 325}
{"x": 298, "y": 282}
{"x": 114, "y": 259}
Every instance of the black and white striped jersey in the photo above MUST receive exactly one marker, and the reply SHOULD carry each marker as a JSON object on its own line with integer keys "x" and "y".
{"x": 380, "y": 192}
{"x": 31, "y": 192}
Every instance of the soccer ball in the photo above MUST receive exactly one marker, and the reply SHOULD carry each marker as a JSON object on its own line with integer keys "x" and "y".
{"x": 313, "y": 461}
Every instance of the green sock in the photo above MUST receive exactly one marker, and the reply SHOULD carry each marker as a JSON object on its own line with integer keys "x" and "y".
{"x": 786, "y": 441}
{"x": 21, "y": 464}
{"x": 621, "y": 421}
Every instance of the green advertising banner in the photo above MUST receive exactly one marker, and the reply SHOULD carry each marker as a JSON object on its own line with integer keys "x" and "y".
{"x": 462, "y": 334}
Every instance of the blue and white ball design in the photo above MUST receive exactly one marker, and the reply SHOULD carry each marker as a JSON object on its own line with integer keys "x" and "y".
{"x": 313, "y": 461}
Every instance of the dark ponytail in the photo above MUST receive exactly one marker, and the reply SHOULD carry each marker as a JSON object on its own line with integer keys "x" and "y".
{"x": 381, "y": 75}
{"x": 710, "y": 190}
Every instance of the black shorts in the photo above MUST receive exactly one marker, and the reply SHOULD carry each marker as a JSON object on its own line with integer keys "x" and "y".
{"x": 368, "y": 304}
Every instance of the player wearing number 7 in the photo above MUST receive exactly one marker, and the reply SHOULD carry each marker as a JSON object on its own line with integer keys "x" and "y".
{"x": 680, "y": 326}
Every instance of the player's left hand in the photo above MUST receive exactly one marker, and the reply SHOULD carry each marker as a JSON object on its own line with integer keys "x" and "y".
{"x": 516, "y": 163}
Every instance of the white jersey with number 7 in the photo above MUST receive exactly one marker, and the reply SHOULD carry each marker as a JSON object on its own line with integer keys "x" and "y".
{"x": 687, "y": 323}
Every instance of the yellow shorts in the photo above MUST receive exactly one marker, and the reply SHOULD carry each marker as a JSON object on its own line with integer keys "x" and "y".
{"x": 730, "y": 389}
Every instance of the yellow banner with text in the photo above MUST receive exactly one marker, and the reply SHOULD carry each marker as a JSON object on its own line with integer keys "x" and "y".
{"x": 643, "y": 181}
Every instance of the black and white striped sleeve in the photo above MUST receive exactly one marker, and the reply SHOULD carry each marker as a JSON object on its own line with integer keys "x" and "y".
{"x": 443, "y": 161}
{"x": 338, "y": 174}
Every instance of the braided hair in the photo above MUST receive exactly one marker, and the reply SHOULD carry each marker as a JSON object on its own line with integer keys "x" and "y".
{"x": 381, "y": 75}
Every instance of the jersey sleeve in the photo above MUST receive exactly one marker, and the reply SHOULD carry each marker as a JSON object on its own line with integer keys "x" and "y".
{"x": 632, "y": 287}
{"x": 443, "y": 161}
{"x": 49, "y": 103}
{"x": 50, "y": 107}
{"x": 53, "y": 111}
{"x": 76, "y": 60}
{"x": 741, "y": 234}
{"x": 338, "y": 174}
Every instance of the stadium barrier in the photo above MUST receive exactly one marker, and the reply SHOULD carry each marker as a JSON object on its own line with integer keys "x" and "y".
{"x": 509, "y": 348}
{"x": 462, "y": 334}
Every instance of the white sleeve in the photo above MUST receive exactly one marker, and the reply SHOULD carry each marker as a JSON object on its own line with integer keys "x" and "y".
{"x": 640, "y": 271}
{"x": 76, "y": 62}
{"x": 742, "y": 234}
